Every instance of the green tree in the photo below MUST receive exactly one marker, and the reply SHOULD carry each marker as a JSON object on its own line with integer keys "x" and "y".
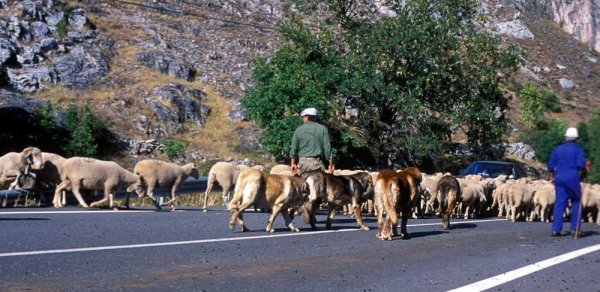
{"x": 532, "y": 106}
{"x": 400, "y": 87}
{"x": 593, "y": 147}
{"x": 549, "y": 138}
{"x": 173, "y": 149}
{"x": 85, "y": 131}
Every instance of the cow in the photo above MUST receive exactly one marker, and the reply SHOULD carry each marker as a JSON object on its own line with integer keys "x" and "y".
{"x": 280, "y": 193}
{"x": 334, "y": 190}
{"x": 448, "y": 194}
{"x": 395, "y": 191}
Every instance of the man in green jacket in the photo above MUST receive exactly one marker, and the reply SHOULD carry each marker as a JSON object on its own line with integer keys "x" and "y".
{"x": 310, "y": 145}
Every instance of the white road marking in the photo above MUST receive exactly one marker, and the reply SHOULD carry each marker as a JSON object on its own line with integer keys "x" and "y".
{"x": 200, "y": 241}
{"x": 524, "y": 271}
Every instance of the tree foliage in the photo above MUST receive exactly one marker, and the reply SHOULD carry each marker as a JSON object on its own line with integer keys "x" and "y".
{"x": 84, "y": 130}
{"x": 591, "y": 145}
{"x": 173, "y": 149}
{"x": 400, "y": 87}
{"x": 532, "y": 106}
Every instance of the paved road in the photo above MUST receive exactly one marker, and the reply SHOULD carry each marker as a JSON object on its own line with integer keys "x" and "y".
{"x": 73, "y": 249}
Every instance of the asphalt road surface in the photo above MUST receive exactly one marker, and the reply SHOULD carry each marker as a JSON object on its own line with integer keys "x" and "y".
{"x": 74, "y": 249}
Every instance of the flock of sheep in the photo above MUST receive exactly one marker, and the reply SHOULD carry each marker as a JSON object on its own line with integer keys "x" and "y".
{"x": 525, "y": 199}
{"x": 79, "y": 174}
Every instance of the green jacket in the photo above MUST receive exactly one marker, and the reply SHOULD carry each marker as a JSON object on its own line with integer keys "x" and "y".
{"x": 311, "y": 139}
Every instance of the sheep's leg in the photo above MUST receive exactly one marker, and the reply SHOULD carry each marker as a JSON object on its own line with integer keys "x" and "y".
{"x": 14, "y": 184}
{"x": 60, "y": 188}
{"x": 226, "y": 195}
{"x": 127, "y": 200}
{"x": 96, "y": 203}
{"x": 77, "y": 195}
{"x": 172, "y": 200}
{"x": 151, "y": 196}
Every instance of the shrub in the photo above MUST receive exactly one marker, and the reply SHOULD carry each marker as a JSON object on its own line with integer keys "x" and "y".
{"x": 173, "y": 149}
{"x": 551, "y": 102}
{"x": 84, "y": 131}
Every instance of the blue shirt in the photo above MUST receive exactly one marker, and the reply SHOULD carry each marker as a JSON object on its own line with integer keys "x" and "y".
{"x": 566, "y": 161}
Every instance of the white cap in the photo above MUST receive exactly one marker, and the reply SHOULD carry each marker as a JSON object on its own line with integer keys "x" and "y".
{"x": 311, "y": 111}
{"x": 572, "y": 133}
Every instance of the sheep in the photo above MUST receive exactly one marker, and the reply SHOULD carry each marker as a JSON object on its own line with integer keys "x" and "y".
{"x": 13, "y": 165}
{"x": 472, "y": 193}
{"x": 82, "y": 173}
{"x": 49, "y": 174}
{"x": 281, "y": 169}
{"x": 520, "y": 198}
{"x": 156, "y": 173}
{"x": 590, "y": 199}
{"x": 544, "y": 198}
{"x": 225, "y": 174}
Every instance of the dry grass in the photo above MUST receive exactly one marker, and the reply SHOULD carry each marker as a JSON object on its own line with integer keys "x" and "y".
{"x": 188, "y": 200}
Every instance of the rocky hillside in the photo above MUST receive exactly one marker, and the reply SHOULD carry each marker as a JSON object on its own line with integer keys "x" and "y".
{"x": 175, "y": 69}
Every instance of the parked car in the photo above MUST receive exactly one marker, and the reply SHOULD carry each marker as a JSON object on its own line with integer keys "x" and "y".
{"x": 493, "y": 169}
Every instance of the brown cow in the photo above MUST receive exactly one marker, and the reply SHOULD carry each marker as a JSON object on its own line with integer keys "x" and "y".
{"x": 395, "y": 191}
{"x": 334, "y": 190}
{"x": 272, "y": 191}
{"x": 448, "y": 193}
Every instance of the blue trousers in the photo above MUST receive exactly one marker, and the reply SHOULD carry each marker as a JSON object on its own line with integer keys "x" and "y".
{"x": 565, "y": 191}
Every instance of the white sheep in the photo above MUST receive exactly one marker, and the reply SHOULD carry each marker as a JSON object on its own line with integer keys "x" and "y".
{"x": 281, "y": 169}
{"x": 90, "y": 174}
{"x": 156, "y": 173}
{"x": 544, "y": 197}
{"x": 225, "y": 174}
{"x": 49, "y": 174}
{"x": 13, "y": 165}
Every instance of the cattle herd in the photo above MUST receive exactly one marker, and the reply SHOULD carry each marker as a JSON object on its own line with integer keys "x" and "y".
{"x": 390, "y": 194}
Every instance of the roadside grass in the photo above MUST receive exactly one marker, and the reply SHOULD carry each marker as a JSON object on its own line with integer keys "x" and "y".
{"x": 32, "y": 199}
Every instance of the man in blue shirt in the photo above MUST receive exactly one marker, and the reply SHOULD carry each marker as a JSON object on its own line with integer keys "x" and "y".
{"x": 565, "y": 163}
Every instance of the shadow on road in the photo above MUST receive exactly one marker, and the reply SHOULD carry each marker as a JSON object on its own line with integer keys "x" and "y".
{"x": 23, "y": 219}
{"x": 462, "y": 225}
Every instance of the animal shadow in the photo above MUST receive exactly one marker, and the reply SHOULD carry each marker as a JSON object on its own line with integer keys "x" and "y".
{"x": 23, "y": 219}
{"x": 462, "y": 225}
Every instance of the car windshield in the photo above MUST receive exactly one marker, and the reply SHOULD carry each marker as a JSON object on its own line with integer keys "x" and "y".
{"x": 488, "y": 169}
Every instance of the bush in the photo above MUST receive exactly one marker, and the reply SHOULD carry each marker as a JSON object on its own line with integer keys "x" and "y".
{"x": 551, "y": 102}
{"x": 85, "y": 131}
{"x": 173, "y": 149}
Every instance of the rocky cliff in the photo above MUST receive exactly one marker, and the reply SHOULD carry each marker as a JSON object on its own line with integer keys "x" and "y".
{"x": 159, "y": 69}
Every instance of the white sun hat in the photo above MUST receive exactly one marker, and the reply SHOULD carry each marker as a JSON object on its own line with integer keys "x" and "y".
{"x": 572, "y": 133}
{"x": 311, "y": 111}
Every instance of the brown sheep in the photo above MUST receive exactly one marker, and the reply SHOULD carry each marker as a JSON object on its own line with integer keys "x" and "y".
{"x": 156, "y": 173}
{"x": 90, "y": 174}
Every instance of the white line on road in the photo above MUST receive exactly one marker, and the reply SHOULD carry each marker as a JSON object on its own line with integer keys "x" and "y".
{"x": 28, "y": 253}
{"x": 524, "y": 271}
